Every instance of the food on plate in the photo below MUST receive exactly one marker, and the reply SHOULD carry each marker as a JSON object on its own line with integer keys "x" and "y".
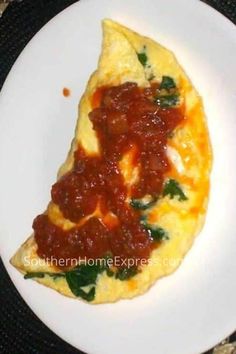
{"x": 133, "y": 191}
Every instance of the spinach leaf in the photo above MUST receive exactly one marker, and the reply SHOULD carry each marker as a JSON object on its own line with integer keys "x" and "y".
{"x": 142, "y": 204}
{"x": 167, "y": 83}
{"x": 126, "y": 273}
{"x": 30, "y": 275}
{"x": 88, "y": 296}
{"x": 167, "y": 100}
{"x": 142, "y": 57}
{"x": 83, "y": 275}
{"x": 157, "y": 233}
{"x": 109, "y": 272}
{"x": 172, "y": 188}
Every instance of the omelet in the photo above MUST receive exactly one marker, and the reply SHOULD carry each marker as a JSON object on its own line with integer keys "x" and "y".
{"x": 130, "y": 57}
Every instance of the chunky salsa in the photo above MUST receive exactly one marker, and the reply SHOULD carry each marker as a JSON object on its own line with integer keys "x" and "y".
{"x": 126, "y": 118}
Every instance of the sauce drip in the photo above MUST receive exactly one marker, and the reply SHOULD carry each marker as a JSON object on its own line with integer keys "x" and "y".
{"x": 125, "y": 119}
{"x": 66, "y": 92}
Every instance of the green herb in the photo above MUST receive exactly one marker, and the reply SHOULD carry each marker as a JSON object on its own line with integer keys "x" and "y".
{"x": 109, "y": 272}
{"x": 157, "y": 233}
{"x": 126, "y": 273}
{"x": 30, "y": 275}
{"x": 167, "y": 100}
{"x": 167, "y": 83}
{"x": 142, "y": 204}
{"x": 83, "y": 275}
{"x": 106, "y": 267}
{"x": 88, "y": 296}
{"x": 172, "y": 188}
{"x": 34, "y": 275}
{"x": 77, "y": 278}
{"x": 142, "y": 57}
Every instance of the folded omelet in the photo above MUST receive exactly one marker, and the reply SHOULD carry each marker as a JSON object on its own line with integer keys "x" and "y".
{"x": 188, "y": 150}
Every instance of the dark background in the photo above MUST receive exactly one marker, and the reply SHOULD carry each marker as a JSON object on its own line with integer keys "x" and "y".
{"x": 21, "y": 332}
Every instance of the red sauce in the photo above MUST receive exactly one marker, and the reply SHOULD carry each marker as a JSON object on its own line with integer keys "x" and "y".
{"x": 66, "y": 92}
{"x": 123, "y": 117}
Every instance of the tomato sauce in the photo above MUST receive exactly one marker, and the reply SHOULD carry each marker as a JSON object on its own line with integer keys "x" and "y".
{"x": 124, "y": 117}
{"x": 66, "y": 92}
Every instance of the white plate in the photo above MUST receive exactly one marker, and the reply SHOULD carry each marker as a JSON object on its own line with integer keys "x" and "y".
{"x": 194, "y": 308}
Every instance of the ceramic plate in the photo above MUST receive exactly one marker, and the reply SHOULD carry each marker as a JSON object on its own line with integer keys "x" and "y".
{"x": 191, "y": 310}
